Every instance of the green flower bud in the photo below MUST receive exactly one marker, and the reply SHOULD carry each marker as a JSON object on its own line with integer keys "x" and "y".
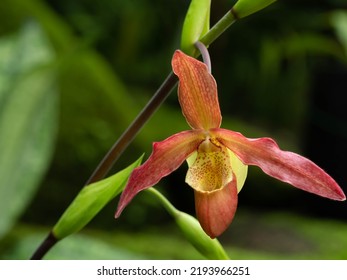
{"x": 244, "y": 8}
{"x": 196, "y": 25}
{"x": 191, "y": 229}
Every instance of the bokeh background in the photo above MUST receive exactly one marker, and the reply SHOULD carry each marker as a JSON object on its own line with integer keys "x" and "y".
{"x": 91, "y": 66}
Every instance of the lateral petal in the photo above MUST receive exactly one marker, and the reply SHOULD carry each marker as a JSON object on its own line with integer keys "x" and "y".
{"x": 216, "y": 210}
{"x": 166, "y": 157}
{"x": 197, "y": 92}
{"x": 286, "y": 166}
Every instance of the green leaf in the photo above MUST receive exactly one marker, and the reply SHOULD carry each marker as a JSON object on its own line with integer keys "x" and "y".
{"x": 244, "y": 8}
{"x": 196, "y": 25}
{"x": 28, "y": 119}
{"x": 90, "y": 201}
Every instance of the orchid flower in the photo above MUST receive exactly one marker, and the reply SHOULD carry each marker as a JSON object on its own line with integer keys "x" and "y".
{"x": 218, "y": 158}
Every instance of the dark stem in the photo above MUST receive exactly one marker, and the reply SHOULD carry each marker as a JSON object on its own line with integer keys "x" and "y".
{"x": 45, "y": 246}
{"x": 129, "y": 134}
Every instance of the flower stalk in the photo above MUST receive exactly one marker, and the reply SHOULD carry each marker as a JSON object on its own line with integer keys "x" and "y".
{"x": 218, "y": 29}
{"x": 205, "y": 55}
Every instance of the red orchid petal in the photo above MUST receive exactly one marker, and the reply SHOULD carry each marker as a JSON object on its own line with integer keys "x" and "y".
{"x": 197, "y": 92}
{"x": 216, "y": 210}
{"x": 285, "y": 166}
{"x": 166, "y": 157}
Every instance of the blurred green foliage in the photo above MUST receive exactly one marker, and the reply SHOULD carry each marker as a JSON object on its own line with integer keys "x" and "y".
{"x": 28, "y": 119}
{"x": 252, "y": 236}
{"x": 109, "y": 57}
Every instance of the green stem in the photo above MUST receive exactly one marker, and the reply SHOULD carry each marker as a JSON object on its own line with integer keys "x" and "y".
{"x": 219, "y": 28}
{"x": 128, "y": 136}
{"x": 165, "y": 202}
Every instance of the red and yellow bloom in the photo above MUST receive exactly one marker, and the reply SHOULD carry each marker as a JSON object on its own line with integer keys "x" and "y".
{"x": 218, "y": 158}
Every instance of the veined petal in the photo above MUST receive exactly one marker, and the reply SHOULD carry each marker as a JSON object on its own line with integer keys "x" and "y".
{"x": 166, "y": 157}
{"x": 216, "y": 210}
{"x": 197, "y": 92}
{"x": 285, "y": 166}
